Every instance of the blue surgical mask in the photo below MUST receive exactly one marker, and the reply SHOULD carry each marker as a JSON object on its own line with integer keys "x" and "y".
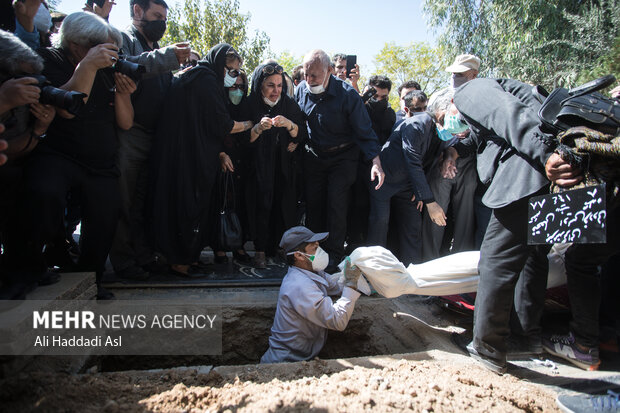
{"x": 235, "y": 96}
{"x": 454, "y": 125}
{"x": 229, "y": 80}
{"x": 444, "y": 134}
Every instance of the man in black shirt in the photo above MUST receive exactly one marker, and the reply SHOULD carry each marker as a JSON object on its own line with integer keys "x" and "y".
{"x": 409, "y": 153}
{"x": 382, "y": 117}
{"x": 79, "y": 150}
{"x": 131, "y": 255}
{"x": 338, "y": 128}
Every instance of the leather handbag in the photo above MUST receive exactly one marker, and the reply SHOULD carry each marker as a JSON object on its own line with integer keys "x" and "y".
{"x": 229, "y": 231}
{"x": 581, "y": 106}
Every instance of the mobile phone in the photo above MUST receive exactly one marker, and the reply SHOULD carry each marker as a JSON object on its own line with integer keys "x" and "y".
{"x": 351, "y": 62}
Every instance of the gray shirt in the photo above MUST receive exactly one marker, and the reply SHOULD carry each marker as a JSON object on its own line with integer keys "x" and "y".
{"x": 305, "y": 312}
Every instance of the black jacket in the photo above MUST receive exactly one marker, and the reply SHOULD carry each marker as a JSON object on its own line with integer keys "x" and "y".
{"x": 511, "y": 148}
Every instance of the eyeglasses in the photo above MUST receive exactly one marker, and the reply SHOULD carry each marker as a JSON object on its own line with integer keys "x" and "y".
{"x": 270, "y": 69}
{"x": 235, "y": 86}
{"x": 232, "y": 72}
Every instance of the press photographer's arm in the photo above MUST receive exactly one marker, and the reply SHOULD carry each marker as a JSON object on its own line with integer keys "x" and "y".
{"x": 87, "y": 62}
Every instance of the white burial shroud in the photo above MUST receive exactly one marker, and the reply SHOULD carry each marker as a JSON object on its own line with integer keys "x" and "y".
{"x": 452, "y": 274}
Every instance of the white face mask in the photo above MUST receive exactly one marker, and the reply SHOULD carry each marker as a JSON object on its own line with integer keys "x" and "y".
{"x": 318, "y": 89}
{"x": 319, "y": 260}
{"x": 269, "y": 102}
{"x": 458, "y": 81}
{"x": 229, "y": 80}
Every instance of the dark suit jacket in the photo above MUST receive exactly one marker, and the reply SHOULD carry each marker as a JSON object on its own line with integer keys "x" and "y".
{"x": 511, "y": 149}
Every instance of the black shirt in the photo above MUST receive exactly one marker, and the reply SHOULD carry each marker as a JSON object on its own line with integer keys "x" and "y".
{"x": 90, "y": 137}
{"x": 337, "y": 117}
{"x": 148, "y": 99}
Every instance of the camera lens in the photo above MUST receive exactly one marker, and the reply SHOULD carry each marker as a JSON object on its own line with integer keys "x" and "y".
{"x": 70, "y": 101}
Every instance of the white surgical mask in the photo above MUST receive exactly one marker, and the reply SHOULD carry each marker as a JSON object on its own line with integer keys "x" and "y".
{"x": 229, "y": 80}
{"x": 319, "y": 260}
{"x": 316, "y": 90}
{"x": 269, "y": 102}
{"x": 458, "y": 81}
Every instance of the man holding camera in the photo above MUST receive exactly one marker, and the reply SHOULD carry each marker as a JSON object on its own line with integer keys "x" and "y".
{"x": 131, "y": 255}
{"x": 339, "y": 128}
{"x": 81, "y": 146}
{"x": 23, "y": 119}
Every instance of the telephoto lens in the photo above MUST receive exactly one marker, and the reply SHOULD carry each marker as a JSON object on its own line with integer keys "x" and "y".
{"x": 133, "y": 70}
{"x": 68, "y": 100}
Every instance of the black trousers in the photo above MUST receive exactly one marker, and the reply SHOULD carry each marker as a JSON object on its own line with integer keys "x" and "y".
{"x": 503, "y": 256}
{"x": 47, "y": 181}
{"x": 395, "y": 195}
{"x": 457, "y": 193}
{"x": 328, "y": 178}
{"x": 583, "y": 280}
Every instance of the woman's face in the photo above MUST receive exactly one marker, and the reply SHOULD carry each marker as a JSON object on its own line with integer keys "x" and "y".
{"x": 238, "y": 84}
{"x": 272, "y": 87}
{"x": 232, "y": 64}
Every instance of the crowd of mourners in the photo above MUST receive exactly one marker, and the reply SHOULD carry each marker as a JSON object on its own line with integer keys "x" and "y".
{"x": 141, "y": 145}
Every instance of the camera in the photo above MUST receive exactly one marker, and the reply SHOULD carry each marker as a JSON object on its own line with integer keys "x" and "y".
{"x": 133, "y": 70}
{"x": 368, "y": 94}
{"x": 68, "y": 100}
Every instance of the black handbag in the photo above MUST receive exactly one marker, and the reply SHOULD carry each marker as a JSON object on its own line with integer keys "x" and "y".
{"x": 581, "y": 106}
{"x": 229, "y": 232}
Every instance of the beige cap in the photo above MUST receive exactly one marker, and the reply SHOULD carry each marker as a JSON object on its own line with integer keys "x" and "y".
{"x": 463, "y": 63}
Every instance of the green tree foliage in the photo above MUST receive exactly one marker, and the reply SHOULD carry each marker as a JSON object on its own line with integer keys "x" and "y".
{"x": 288, "y": 61}
{"x": 205, "y": 23}
{"x": 548, "y": 42}
{"x": 416, "y": 61}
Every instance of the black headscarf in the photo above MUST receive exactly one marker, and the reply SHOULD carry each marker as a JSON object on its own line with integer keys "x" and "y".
{"x": 216, "y": 59}
{"x": 258, "y": 77}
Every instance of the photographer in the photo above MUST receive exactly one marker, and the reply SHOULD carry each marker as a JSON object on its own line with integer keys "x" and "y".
{"x": 23, "y": 119}
{"x": 79, "y": 150}
{"x": 131, "y": 255}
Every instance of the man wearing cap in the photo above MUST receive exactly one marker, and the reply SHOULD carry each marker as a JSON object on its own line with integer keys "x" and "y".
{"x": 305, "y": 311}
{"x": 464, "y": 69}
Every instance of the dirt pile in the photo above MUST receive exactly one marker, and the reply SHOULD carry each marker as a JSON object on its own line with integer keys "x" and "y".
{"x": 380, "y": 384}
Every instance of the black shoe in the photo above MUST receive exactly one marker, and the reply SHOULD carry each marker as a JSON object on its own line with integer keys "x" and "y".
{"x": 133, "y": 273}
{"x": 495, "y": 365}
{"x": 220, "y": 259}
{"x": 48, "y": 278}
{"x": 242, "y": 258}
{"x": 16, "y": 291}
{"x": 193, "y": 271}
{"x": 156, "y": 267}
{"x": 104, "y": 294}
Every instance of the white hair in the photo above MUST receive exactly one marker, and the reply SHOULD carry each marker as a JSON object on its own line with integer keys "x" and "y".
{"x": 15, "y": 54}
{"x": 317, "y": 56}
{"x": 86, "y": 29}
{"x": 440, "y": 101}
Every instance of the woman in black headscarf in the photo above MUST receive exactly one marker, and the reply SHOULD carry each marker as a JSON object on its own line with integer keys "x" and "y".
{"x": 279, "y": 127}
{"x": 184, "y": 160}
{"x": 234, "y": 159}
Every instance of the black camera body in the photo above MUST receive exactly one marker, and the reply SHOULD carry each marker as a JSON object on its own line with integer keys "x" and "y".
{"x": 130, "y": 69}
{"x": 68, "y": 100}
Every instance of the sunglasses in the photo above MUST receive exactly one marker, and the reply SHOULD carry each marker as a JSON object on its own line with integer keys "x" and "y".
{"x": 270, "y": 69}
{"x": 233, "y": 72}
{"x": 418, "y": 109}
{"x": 240, "y": 87}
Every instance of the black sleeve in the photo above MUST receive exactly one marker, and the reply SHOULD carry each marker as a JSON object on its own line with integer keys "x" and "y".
{"x": 297, "y": 117}
{"x": 57, "y": 68}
